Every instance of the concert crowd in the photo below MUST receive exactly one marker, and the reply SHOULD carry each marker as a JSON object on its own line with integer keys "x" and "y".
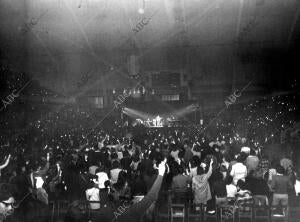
{"x": 62, "y": 157}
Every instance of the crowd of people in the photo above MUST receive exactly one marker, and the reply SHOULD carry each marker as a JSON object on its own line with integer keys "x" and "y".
{"x": 61, "y": 156}
{"x": 114, "y": 168}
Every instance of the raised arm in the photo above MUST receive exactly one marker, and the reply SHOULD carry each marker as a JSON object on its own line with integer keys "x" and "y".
{"x": 6, "y": 162}
{"x": 139, "y": 209}
{"x": 209, "y": 170}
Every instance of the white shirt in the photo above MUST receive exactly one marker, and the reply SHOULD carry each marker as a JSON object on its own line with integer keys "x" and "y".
{"x": 102, "y": 177}
{"x": 238, "y": 172}
{"x": 92, "y": 194}
{"x": 114, "y": 174}
{"x": 231, "y": 190}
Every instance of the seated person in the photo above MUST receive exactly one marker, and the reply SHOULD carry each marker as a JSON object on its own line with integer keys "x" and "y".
{"x": 244, "y": 197}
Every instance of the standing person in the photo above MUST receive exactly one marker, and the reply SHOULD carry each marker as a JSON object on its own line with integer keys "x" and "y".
{"x": 239, "y": 170}
{"x": 92, "y": 194}
{"x": 264, "y": 164}
{"x": 188, "y": 155}
{"x": 193, "y": 166}
{"x": 102, "y": 177}
{"x": 200, "y": 185}
{"x": 280, "y": 185}
{"x": 180, "y": 181}
{"x": 219, "y": 192}
{"x": 37, "y": 170}
{"x": 252, "y": 161}
{"x": 114, "y": 172}
{"x": 196, "y": 150}
{"x": 286, "y": 162}
{"x": 41, "y": 193}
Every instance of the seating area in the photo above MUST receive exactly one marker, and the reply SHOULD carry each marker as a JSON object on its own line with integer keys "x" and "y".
{"x": 259, "y": 210}
{"x": 58, "y": 209}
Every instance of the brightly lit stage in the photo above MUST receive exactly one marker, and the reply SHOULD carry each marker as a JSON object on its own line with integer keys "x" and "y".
{"x": 172, "y": 118}
{"x": 157, "y": 122}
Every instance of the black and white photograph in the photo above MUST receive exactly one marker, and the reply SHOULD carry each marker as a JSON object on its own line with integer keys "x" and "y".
{"x": 149, "y": 110}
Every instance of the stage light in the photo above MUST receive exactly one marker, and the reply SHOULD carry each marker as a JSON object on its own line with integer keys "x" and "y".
{"x": 138, "y": 91}
{"x": 141, "y": 11}
{"x": 114, "y": 91}
{"x": 152, "y": 92}
{"x": 142, "y": 7}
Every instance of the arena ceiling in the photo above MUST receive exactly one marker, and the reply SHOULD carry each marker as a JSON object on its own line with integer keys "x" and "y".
{"x": 56, "y": 41}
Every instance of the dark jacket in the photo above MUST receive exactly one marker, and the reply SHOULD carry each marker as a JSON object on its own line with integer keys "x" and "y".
{"x": 219, "y": 188}
{"x": 181, "y": 181}
{"x": 281, "y": 184}
{"x": 257, "y": 186}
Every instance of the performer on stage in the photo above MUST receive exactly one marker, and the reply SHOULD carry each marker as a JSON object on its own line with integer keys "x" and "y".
{"x": 148, "y": 122}
{"x": 154, "y": 121}
{"x": 159, "y": 123}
